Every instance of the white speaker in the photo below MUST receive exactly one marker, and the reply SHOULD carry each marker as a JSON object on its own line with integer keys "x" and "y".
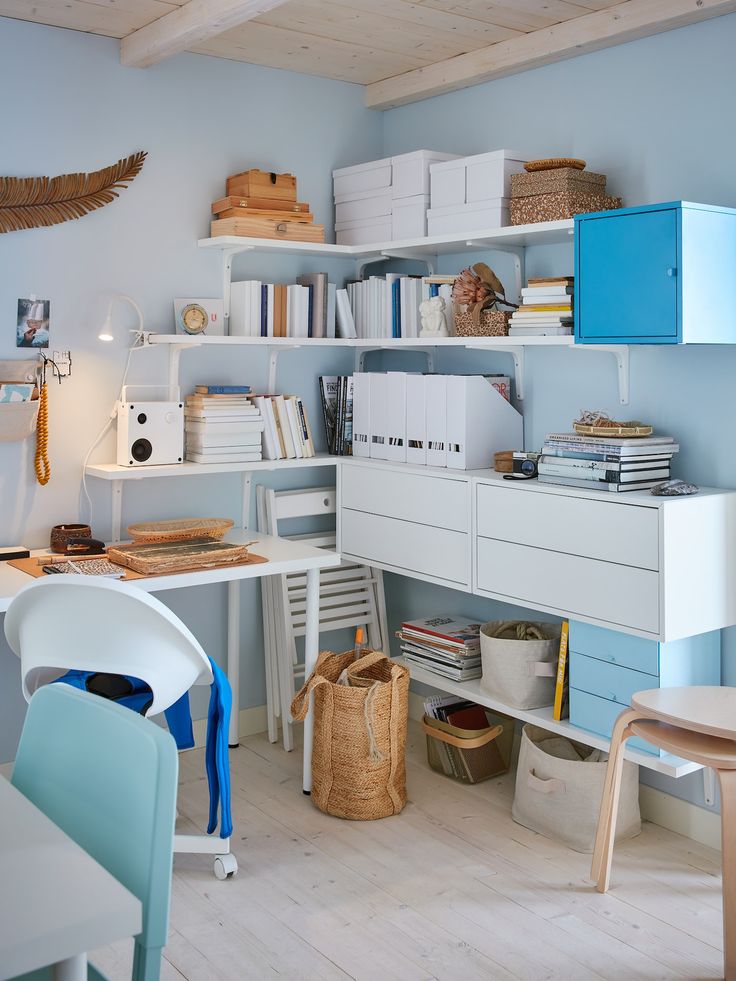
{"x": 150, "y": 433}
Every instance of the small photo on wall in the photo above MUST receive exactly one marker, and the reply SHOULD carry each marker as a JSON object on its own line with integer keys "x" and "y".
{"x": 32, "y": 328}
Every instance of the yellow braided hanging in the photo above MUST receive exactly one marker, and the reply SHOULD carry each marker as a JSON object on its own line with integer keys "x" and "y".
{"x": 43, "y": 467}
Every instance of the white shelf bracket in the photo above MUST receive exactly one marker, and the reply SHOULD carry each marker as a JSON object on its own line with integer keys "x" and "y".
{"x": 367, "y": 260}
{"x": 361, "y": 352}
{"x": 174, "y": 359}
{"x": 227, "y": 277}
{"x": 245, "y": 486}
{"x": 517, "y": 353}
{"x": 117, "y": 509}
{"x": 709, "y": 785}
{"x": 430, "y": 261}
{"x": 273, "y": 363}
{"x": 621, "y": 354}
{"x": 517, "y": 255}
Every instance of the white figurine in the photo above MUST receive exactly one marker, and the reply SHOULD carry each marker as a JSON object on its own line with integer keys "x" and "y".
{"x": 432, "y": 314}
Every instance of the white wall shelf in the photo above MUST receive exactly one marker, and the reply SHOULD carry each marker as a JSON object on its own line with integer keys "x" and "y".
{"x": 671, "y": 766}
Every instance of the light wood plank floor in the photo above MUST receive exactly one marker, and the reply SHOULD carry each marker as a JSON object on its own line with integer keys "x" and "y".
{"x": 451, "y": 889}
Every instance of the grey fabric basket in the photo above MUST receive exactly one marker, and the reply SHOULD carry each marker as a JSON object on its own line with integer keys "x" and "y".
{"x": 520, "y": 673}
{"x": 559, "y": 786}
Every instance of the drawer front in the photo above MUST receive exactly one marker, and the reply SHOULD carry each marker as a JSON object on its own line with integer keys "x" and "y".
{"x": 595, "y": 714}
{"x": 411, "y": 548}
{"x": 615, "y": 532}
{"x": 617, "y": 648}
{"x": 569, "y": 584}
{"x": 426, "y": 500}
{"x": 610, "y": 681}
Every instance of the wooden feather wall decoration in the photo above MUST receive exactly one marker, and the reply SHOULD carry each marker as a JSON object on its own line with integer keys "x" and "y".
{"x": 30, "y": 202}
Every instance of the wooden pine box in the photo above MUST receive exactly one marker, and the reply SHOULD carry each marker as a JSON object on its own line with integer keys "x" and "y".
{"x": 294, "y": 231}
{"x": 558, "y": 205}
{"x": 259, "y": 205}
{"x": 261, "y": 184}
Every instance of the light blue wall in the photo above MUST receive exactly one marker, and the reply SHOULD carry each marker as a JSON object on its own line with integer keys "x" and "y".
{"x": 200, "y": 119}
{"x": 650, "y": 115}
{"x": 653, "y": 115}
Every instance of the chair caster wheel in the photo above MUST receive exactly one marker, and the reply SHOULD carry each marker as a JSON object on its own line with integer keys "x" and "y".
{"x": 226, "y": 866}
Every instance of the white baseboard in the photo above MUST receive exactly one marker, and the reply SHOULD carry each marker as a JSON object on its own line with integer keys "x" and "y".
{"x": 667, "y": 811}
{"x": 251, "y": 721}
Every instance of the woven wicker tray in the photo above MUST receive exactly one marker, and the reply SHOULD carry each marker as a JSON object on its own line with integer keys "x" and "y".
{"x": 618, "y": 431}
{"x": 196, "y": 553}
{"x": 179, "y": 529}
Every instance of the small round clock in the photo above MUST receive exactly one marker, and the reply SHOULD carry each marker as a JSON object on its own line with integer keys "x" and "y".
{"x": 194, "y": 318}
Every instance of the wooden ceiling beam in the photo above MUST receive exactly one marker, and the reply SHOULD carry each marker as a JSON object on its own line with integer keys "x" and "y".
{"x": 186, "y": 27}
{"x": 591, "y": 32}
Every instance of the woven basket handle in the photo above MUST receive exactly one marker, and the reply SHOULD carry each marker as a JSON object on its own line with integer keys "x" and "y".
{"x": 487, "y": 736}
{"x": 365, "y": 661}
{"x": 300, "y": 702}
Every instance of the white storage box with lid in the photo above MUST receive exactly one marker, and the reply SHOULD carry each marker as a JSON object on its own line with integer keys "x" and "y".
{"x": 362, "y": 177}
{"x": 467, "y": 180}
{"x": 363, "y": 204}
{"x": 411, "y": 171}
{"x": 363, "y": 231}
{"x": 468, "y": 217}
{"x": 409, "y": 217}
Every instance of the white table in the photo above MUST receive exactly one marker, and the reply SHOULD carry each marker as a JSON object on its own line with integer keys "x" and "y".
{"x": 284, "y": 557}
{"x": 56, "y": 901}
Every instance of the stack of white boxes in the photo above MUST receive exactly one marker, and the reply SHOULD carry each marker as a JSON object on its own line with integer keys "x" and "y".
{"x": 455, "y": 421}
{"x": 384, "y": 200}
{"x": 470, "y": 194}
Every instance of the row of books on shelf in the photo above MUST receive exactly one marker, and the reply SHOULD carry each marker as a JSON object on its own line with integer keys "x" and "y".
{"x": 603, "y": 463}
{"x": 312, "y": 307}
{"x": 336, "y": 395}
{"x": 546, "y": 308}
{"x": 236, "y": 427}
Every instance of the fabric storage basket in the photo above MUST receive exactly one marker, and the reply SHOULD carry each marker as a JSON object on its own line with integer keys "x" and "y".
{"x": 358, "y": 756}
{"x": 559, "y": 786}
{"x": 470, "y": 755}
{"x": 18, "y": 420}
{"x": 520, "y": 673}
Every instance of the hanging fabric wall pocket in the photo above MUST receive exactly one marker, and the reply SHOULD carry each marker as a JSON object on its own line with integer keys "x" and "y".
{"x": 18, "y": 400}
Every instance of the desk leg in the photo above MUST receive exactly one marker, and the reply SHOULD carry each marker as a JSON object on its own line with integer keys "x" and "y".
{"x": 72, "y": 969}
{"x": 311, "y": 650}
{"x": 233, "y": 656}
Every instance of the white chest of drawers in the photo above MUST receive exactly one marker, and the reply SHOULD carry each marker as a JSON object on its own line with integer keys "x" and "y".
{"x": 662, "y": 568}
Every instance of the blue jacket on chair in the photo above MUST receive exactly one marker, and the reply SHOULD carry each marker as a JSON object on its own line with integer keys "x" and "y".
{"x": 138, "y": 696}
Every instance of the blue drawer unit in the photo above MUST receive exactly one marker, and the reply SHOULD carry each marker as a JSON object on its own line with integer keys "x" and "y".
{"x": 658, "y": 274}
{"x": 607, "y": 668}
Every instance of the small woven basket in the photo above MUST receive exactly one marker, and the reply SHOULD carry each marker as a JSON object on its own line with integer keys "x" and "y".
{"x": 179, "y": 529}
{"x": 492, "y": 323}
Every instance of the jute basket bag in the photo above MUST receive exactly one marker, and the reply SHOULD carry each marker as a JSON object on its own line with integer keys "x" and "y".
{"x": 358, "y": 755}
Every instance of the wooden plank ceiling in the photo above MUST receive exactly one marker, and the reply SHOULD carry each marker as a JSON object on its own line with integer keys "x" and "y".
{"x": 401, "y": 50}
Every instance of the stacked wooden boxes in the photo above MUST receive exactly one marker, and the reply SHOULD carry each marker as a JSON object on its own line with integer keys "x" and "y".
{"x": 264, "y": 205}
{"x": 471, "y": 193}
{"x": 384, "y": 200}
{"x": 557, "y": 193}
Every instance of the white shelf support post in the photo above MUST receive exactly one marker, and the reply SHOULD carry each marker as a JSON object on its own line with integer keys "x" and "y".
{"x": 247, "y": 477}
{"x": 621, "y": 354}
{"x": 227, "y": 277}
{"x": 517, "y": 353}
{"x": 117, "y": 509}
{"x": 273, "y": 363}
{"x": 174, "y": 359}
{"x": 361, "y": 352}
{"x": 430, "y": 261}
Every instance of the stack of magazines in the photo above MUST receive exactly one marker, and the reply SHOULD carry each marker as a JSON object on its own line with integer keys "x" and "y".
{"x": 445, "y": 645}
{"x": 602, "y": 463}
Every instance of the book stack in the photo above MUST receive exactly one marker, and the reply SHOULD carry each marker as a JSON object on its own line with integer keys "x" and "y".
{"x": 388, "y": 306}
{"x": 222, "y": 425}
{"x": 336, "y": 394}
{"x": 287, "y": 434}
{"x": 446, "y": 645}
{"x": 546, "y": 308}
{"x": 603, "y": 463}
{"x": 302, "y": 309}
{"x": 262, "y": 204}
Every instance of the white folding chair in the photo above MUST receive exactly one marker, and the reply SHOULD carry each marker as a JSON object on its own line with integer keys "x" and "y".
{"x": 351, "y": 595}
{"x": 78, "y": 623}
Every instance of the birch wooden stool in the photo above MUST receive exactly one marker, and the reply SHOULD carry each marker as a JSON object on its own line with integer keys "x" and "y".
{"x": 699, "y": 724}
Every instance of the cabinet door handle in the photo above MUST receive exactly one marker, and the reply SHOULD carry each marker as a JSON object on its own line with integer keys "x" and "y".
{"x": 671, "y": 271}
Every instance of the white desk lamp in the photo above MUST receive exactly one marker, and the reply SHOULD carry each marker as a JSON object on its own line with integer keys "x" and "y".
{"x": 106, "y": 331}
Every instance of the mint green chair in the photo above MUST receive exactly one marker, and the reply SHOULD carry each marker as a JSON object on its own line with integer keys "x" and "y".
{"x": 107, "y": 777}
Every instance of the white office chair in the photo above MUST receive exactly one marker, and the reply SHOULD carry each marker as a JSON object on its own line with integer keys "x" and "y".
{"x": 351, "y": 595}
{"x": 79, "y": 623}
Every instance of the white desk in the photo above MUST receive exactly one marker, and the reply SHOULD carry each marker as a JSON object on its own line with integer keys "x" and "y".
{"x": 56, "y": 901}
{"x": 284, "y": 557}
